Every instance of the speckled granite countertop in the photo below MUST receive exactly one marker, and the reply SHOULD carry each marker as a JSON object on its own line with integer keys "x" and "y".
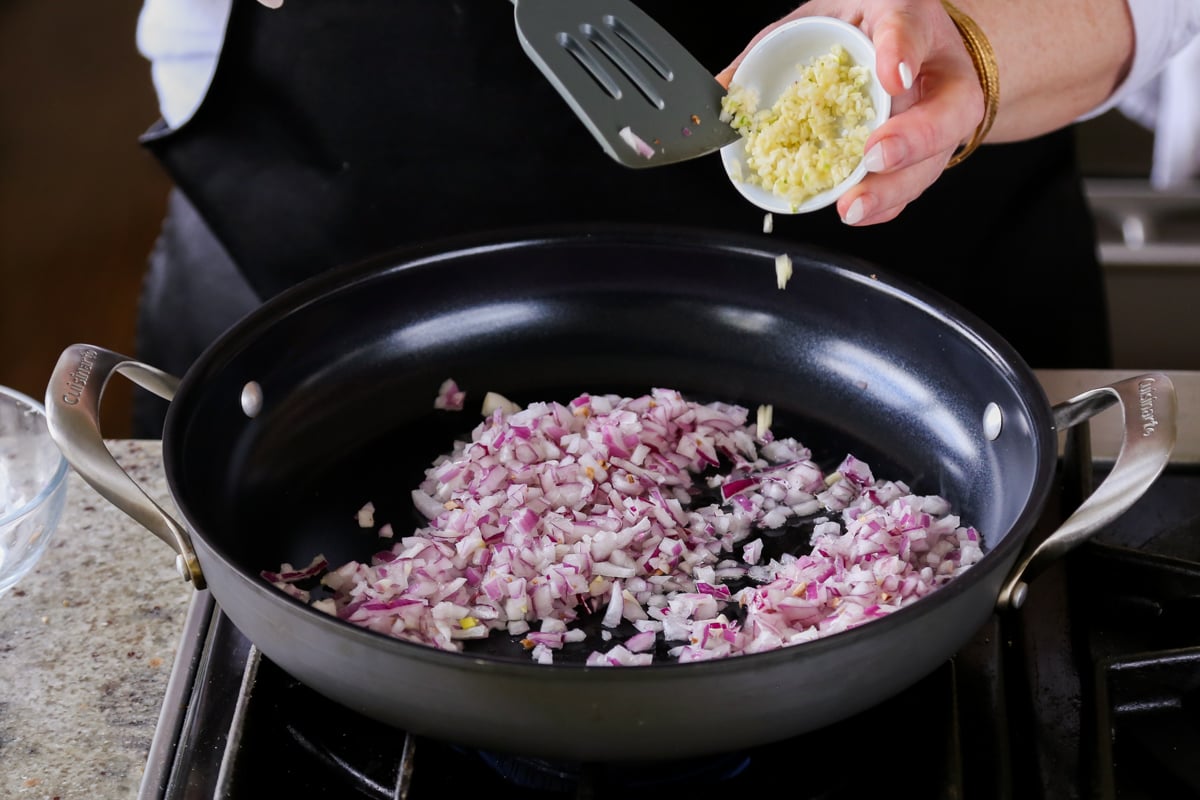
{"x": 87, "y": 641}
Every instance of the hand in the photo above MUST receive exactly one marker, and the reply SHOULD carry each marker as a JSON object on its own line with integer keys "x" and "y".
{"x": 937, "y": 101}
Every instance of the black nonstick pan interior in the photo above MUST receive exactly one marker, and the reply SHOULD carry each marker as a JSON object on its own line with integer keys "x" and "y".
{"x": 349, "y": 366}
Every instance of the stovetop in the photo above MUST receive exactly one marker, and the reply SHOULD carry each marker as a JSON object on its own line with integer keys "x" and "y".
{"x": 1092, "y": 689}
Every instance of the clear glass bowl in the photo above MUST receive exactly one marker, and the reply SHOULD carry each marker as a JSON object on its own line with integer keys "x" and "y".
{"x": 33, "y": 485}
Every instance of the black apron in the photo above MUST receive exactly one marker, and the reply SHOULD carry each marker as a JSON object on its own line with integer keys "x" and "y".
{"x": 335, "y": 131}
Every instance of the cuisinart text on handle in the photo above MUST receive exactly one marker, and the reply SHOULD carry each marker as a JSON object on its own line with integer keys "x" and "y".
{"x": 1146, "y": 400}
{"x": 77, "y": 380}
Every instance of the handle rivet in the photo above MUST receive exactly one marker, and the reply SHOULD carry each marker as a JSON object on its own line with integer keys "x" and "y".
{"x": 252, "y": 399}
{"x": 993, "y": 421}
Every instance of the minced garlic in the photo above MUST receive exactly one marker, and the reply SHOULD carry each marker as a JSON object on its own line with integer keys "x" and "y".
{"x": 783, "y": 270}
{"x": 813, "y": 136}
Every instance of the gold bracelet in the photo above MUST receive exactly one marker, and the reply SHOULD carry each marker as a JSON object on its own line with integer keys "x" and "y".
{"x": 984, "y": 59}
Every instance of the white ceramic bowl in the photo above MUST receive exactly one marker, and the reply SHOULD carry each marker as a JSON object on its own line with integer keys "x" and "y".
{"x": 770, "y": 67}
{"x": 33, "y": 485}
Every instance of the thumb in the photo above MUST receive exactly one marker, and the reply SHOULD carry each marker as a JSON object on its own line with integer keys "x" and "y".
{"x": 901, "y": 46}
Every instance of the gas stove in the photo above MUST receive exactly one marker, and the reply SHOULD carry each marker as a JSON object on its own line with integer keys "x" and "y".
{"x": 1091, "y": 690}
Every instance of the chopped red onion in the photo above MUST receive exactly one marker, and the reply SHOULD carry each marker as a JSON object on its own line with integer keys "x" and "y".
{"x": 449, "y": 396}
{"x": 555, "y": 511}
{"x": 289, "y": 574}
{"x": 636, "y": 142}
{"x": 493, "y": 401}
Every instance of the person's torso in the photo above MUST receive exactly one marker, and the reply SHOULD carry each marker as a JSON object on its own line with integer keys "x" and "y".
{"x": 335, "y": 131}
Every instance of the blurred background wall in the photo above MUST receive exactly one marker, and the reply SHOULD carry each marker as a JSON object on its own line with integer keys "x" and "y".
{"x": 80, "y": 200}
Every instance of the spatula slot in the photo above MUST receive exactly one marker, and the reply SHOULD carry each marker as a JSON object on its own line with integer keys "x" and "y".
{"x": 639, "y": 45}
{"x": 621, "y": 60}
{"x": 618, "y": 57}
{"x": 589, "y": 63}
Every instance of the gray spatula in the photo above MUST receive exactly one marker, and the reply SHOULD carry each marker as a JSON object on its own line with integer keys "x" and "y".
{"x": 627, "y": 78}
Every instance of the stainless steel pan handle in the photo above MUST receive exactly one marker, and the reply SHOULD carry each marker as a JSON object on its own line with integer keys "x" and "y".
{"x": 73, "y": 416}
{"x": 1148, "y": 403}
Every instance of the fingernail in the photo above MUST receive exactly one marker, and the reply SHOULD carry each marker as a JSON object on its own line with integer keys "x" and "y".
{"x": 873, "y": 159}
{"x": 905, "y": 75}
{"x": 854, "y": 213}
